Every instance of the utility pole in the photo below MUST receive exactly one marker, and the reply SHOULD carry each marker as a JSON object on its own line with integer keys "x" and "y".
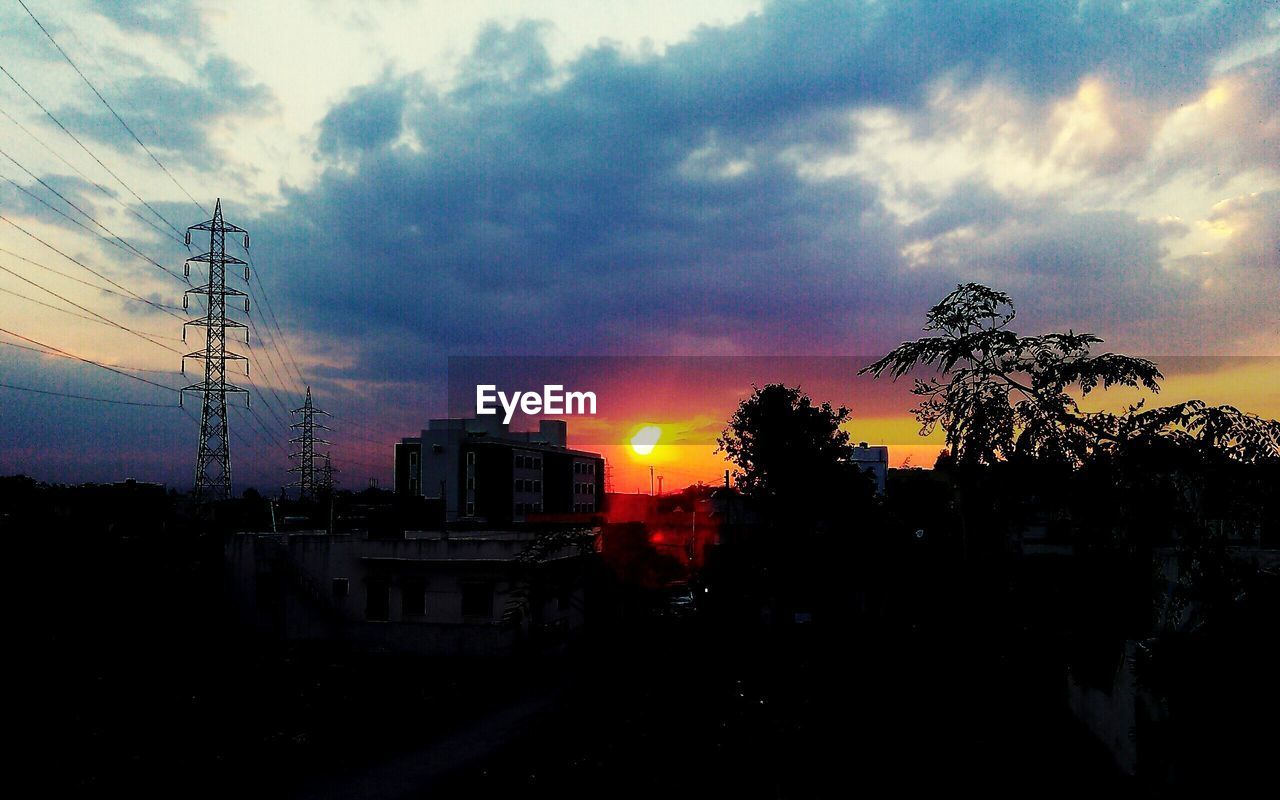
{"x": 651, "y": 481}
{"x": 659, "y": 485}
{"x": 213, "y": 460}
{"x": 307, "y": 440}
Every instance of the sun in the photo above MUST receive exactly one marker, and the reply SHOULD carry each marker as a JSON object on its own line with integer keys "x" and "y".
{"x": 646, "y": 439}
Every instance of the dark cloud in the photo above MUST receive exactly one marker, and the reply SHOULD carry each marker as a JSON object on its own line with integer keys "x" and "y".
{"x": 625, "y": 204}
{"x": 163, "y": 17}
{"x": 171, "y": 115}
{"x": 370, "y": 117}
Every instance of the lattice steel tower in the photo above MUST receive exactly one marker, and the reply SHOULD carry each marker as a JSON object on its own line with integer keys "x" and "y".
{"x": 326, "y": 482}
{"x": 306, "y": 456}
{"x": 213, "y": 462}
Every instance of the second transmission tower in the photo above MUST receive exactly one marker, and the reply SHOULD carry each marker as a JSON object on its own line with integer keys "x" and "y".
{"x": 326, "y": 482}
{"x": 213, "y": 461}
{"x": 306, "y": 454}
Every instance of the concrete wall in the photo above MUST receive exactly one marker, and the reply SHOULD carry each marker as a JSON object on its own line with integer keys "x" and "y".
{"x": 284, "y": 584}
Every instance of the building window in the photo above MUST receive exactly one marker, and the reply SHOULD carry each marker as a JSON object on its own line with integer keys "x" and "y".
{"x": 519, "y": 462}
{"x": 471, "y": 509}
{"x": 537, "y": 508}
{"x": 577, "y": 468}
{"x": 477, "y": 601}
{"x": 341, "y": 587}
{"x": 537, "y": 463}
{"x": 377, "y": 606}
{"x": 413, "y": 461}
{"x": 537, "y": 486}
{"x": 471, "y": 484}
{"x": 413, "y": 486}
{"x": 471, "y": 458}
{"x": 591, "y": 488}
{"x": 413, "y": 597}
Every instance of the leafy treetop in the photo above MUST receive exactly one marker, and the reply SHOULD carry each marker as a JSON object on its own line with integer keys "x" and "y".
{"x": 1000, "y": 394}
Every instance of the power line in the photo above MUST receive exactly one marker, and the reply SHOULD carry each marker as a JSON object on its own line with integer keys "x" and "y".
{"x": 271, "y": 438}
{"x": 266, "y": 301}
{"x": 250, "y": 444}
{"x": 119, "y": 119}
{"x": 118, "y": 242}
{"x": 348, "y": 434}
{"x": 71, "y": 277}
{"x": 279, "y": 420}
{"x": 84, "y": 266}
{"x": 64, "y": 355}
{"x": 108, "y": 321}
{"x": 85, "y": 397}
{"x": 104, "y": 190}
{"x": 88, "y": 52}
{"x": 87, "y": 360}
{"x": 67, "y": 311}
{"x": 85, "y": 148}
{"x": 270, "y": 361}
{"x": 276, "y": 369}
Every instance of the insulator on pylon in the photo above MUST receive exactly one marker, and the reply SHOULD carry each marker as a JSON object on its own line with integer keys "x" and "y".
{"x": 246, "y": 369}
{"x": 246, "y": 305}
{"x": 188, "y": 241}
{"x": 186, "y": 269}
{"x": 246, "y": 241}
{"x": 180, "y": 393}
{"x": 184, "y": 301}
{"x": 246, "y": 335}
{"x": 246, "y": 272}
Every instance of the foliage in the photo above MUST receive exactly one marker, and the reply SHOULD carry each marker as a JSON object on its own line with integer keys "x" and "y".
{"x": 1003, "y": 395}
{"x": 790, "y": 451}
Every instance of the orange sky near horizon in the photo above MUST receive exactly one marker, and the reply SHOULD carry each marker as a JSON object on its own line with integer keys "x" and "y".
{"x": 686, "y": 452}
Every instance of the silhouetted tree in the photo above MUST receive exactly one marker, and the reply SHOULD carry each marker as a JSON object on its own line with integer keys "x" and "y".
{"x": 792, "y": 454}
{"x": 1003, "y": 395}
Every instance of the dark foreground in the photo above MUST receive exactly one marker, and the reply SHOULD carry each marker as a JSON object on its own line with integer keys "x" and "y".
{"x": 130, "y": 680}
{"x": 667, "y": 709}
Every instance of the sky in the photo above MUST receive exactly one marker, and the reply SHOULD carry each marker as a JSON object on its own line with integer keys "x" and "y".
{"x": 730, "y": 179}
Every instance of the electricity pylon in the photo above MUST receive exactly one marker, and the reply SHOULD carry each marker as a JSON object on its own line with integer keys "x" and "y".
{"x": 325, "y": 484}
{"x": 213, "y": 460}
{"x": 306, "y": 456}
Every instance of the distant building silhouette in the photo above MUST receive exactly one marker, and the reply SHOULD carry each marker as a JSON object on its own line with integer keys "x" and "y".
{"x": 485, "y": 471}
{"x": 874, "y": 460}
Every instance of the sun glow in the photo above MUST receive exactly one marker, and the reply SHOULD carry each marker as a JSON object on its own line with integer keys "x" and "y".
{"x": 646, "y": 439}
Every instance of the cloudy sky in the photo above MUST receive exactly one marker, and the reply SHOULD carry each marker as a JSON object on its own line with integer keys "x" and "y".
{"x": 722, "y": 178}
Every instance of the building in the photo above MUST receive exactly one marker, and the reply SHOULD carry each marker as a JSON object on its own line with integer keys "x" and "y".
{"x": 874, "y": 460}
{"x": 478, "y": 593}
{"x": 486, "y": 472}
